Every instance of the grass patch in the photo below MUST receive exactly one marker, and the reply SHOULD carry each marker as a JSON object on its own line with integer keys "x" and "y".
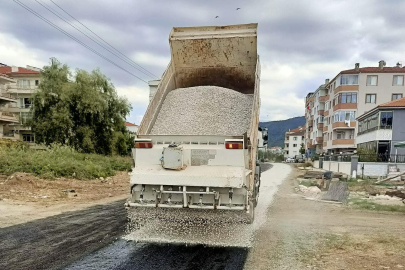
{"x": 60, "y": 161}
{"x": 368, "y": 205}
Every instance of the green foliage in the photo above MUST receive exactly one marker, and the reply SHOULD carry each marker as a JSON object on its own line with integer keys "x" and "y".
{"x": 367, "y": 155}
{"x": 270, "y": 156}
{"x": 368, "y": 205}
{"x": 302, "y": 149}
{"x": 60, "y": 161}
{"x": 82, "y": 111}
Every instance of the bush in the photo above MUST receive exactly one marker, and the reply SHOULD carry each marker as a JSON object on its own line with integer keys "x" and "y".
{"x": 60, "y": 161}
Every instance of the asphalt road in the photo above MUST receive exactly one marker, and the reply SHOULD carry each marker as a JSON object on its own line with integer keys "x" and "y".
{"x": 90, "y": 239}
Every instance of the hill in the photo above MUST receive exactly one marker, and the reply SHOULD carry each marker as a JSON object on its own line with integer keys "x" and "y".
{"x": 277, "y": 129}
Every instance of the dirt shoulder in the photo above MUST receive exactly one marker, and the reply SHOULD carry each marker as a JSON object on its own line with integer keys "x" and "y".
{"x": 24, "y": 197}
{"x": 304, "y": 234}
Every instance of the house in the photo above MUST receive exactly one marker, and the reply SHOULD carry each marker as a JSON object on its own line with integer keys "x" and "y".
{"x": 6, "y": 118}
{"x": 381, "y": 127}
{"x": 276, "y": 150}
{"x": 293, "y": 141}
{"x": 131, "y": 127}
{"x": 21, "y": 89}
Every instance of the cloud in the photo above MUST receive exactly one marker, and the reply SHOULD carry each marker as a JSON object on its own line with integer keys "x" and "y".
{"x": 301, "y": 43}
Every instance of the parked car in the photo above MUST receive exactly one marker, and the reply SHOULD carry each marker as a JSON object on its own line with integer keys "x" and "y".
{"x": 299, "y": 159}
{"x": 290, "y": 160}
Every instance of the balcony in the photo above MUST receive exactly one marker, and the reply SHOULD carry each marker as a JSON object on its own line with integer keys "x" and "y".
{"x": 326, "y": 113}
{"x": 342, "y": 106}
{"x": 343, "y": 88}
{"x": 343, "y": 142}
{"x": 320, "y": 126}
{"x": 320, "y": 112}
{"x": 325, "y": 128}
{"x": 325, "y": 144}
{"x": 344, "y": 125}
{"x": 310, "y": 145}
{"x": 21, "y": 89}
{"x": 323, "y": 98}
{"x": 319, "y": 140}
{"x": 8, "y": 117}
{"x": 309, "y": 100}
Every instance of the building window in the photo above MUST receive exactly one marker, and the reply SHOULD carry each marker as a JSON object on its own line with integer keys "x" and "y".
{"x": 372, "y": 80}
{"x": 25, "y": 102}
{"x": 386, "y": 120}
{"x": 286, "y": 145}
{"x": 369, "y": 124}
{"x": 371, "y": 98}
{"x": 294, "y": 138}
{"x": 36, "y": 82}
{"x": 347, "y": 98}
{"x": 286, "y": 152}
{"x": 349, "y": 80}
{"x": 342, "y": 116}
{"x": 295, "y": 145}
{"x": 398, "y": 80}
{"x": 340, "y": 135}
{"x": 24, "y": 117}
{"x": 23, "y": 83}
{"x": 396, "y": 96}
{"x": 28, "y": 137}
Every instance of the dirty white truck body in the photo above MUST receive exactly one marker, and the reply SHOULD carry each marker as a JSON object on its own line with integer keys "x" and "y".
{"x": 204, "y": 172}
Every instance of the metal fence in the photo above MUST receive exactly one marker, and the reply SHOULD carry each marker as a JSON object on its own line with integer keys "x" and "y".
{"x": 367, "y": 158}
{"x": 381, "y": 158}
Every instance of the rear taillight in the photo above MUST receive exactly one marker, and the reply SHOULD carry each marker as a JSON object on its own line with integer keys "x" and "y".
{"x": 234, "y": 144}
{"x": 143, "y": 143}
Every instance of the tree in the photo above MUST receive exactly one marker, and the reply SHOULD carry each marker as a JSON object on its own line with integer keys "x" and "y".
{"x": 302, "y": 150}
{"x": 82, "y": 111}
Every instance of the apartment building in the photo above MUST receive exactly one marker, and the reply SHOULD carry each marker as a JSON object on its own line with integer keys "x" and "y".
{"x": 292, "y": 142}
{"x": 314, "y": 114}
{"x": 352, "y": 93}
{"x": 6, "y": 118}
{"x": 21, "y": 89}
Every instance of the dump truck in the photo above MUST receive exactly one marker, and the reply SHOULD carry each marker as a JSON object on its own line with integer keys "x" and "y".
{"x": 209, "y": 172}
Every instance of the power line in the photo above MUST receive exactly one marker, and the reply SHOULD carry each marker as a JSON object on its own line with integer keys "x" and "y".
{"x": 104, "y": 40}
{"x": 75, "y": 39}
{"x": 101, "y": 45}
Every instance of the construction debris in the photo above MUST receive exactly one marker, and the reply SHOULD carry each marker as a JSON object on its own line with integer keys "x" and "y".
{"x": 338, "y": 191}
{"x": 389, "y": 178}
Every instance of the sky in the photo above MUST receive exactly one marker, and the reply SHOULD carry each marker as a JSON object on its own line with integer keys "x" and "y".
{"x": 300, "y": 43}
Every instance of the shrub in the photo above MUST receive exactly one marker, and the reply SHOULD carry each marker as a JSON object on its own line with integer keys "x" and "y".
{"x": 60, "y": 161}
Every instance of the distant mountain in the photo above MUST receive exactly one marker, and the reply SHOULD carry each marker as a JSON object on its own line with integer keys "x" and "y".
{"x": 277, "y": 129}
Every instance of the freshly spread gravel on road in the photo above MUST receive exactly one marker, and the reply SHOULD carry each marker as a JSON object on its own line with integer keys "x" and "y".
{"x": 204, "y": 110}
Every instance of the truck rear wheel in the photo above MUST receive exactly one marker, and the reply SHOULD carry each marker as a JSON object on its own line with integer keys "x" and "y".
{"x": 251, "y": 211}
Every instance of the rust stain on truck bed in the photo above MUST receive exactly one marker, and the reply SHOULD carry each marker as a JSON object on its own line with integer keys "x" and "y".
{"x": 228, "y": 77}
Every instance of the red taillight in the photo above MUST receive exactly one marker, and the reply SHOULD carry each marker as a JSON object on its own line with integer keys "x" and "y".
{"x": 143, "y": 144}
{"x": 234, "y": 145}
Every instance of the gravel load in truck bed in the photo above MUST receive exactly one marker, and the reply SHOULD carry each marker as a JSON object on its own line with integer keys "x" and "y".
{"x": 204, "y": 110}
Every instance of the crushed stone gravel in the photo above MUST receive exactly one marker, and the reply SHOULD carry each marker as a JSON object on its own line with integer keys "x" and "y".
{"x": 204, "y": 110}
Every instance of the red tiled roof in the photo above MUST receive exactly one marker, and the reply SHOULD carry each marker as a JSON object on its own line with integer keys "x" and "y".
{"x": 374, "y": 70}
{"x": 128, "y": 124}
{"x": 298, "y": 129}
{"x": 7, "y": 70}
{"x": 369, "y": 70}
{"x": 395, "y": 103}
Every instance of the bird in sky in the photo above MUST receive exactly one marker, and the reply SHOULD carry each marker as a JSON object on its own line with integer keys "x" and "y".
{"x": 216, "y": 17}
{"x": 238, "y": 8}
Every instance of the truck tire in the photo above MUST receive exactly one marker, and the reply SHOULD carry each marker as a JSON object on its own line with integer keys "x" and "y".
{"x": 251, "y": 213}
{"x": 256, "y": 190}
